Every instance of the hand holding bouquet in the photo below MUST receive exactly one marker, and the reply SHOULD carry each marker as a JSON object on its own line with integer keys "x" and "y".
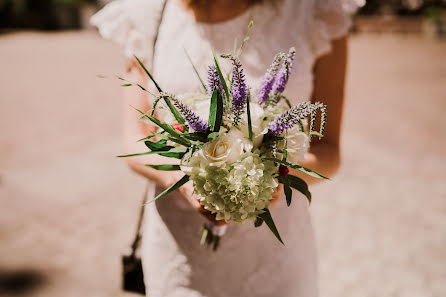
{"x": 235, "y": 146}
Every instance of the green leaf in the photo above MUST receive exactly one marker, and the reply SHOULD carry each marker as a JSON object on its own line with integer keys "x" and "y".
{"x": 169, "y": 154}
{"x": 285, "y": 145}
{"x": 213, "y": 135}
{"x": 179, "y": 149}
{"x": 126, "y": 85}
{"x": 248, "y": 114}
{"x": 172, "y": 108}
{"x": 148, "y": 73}
{"x": 266, "y": 216}
{"x": 166, "y": 167}
{"x": 195, "y": 136}
{"x": 169, "y": 129}
{"x": 196, "y": 71}
{"x": 177, "y": 115}
{"x": 172, "y": 188}
{"x": 316, "y": 133}
{"x": 220, "y": 74}
{"x": 286, "y": 188}
{"x": 298, "y": 167}
{"x": 300, "y": 185}
{"x": 258, "y": 222}
{"x": 215, "y": 111}
{"x": 151, "y": 136}
{"x": 158, "y": 146}
{"x": 174, "y": 155}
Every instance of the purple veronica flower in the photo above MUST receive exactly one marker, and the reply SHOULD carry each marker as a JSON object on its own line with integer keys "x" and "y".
{"x": 289, "y": 118}
{"x": 268, "y": 80}
{"x": 239, "y": 90}
{"x": 192, "y": 119}
{"x": 214, "y": 80}
{"x": 284, "y": 73}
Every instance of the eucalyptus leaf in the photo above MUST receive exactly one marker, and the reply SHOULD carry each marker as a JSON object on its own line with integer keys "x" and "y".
{"x": 172, "y": 188}
{"x": 298, "y": 167}
{"x": 266, "y": 216}
{"x": 166, "y": 167}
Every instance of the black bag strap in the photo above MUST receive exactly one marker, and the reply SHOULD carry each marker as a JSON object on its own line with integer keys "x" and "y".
{"x": 138, "y": 235}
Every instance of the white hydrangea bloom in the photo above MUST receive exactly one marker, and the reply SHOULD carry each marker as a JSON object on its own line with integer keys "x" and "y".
{"x": 236, "y": 192}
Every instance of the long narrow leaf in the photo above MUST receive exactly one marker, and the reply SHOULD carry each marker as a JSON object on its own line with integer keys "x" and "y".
{"x": 196, "y": 71}
{"x": 285, "y": 146}
{"x": 158, "y": 146}
{"x": 215, "y": 111}
{"x": 172, "y": 188}
{"x": 298, "y": 167}
{"x": 248, "y": 114}
{"x": 172, "y": 108}
{"x": 166, "y": 167}
{"x": 266, "y": 216}
{"x": 177, "y": 115}
{"x": 195, "y": 136}
{"x": 300, "y": 185}
{"x": 169, "y": 129}
{"x": 286, "y": 188}
{"x": 148, "y": 73}
{"x": 220, "y": 74}
{"x": 175, "y": 155}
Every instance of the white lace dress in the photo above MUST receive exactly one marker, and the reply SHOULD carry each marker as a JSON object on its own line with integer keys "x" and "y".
{"x": 250, "y": 262}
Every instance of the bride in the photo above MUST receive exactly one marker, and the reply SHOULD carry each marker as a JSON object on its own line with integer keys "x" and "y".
{"x": 249, "y": 262}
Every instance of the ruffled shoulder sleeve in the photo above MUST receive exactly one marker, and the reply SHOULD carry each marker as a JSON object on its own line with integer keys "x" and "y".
{"x": 132, "y": 24}
{"x": 331, "y": 20}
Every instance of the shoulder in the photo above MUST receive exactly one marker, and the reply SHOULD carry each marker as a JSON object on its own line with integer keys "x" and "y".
{"x": 320, "y": 21}
{"x": 130, "y": 23}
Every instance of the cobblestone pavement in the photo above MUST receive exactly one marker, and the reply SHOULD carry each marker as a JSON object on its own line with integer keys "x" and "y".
{"x": 67, "y": 207}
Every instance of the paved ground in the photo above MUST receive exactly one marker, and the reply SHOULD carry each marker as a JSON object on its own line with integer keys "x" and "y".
{"x": 67, "y": 206}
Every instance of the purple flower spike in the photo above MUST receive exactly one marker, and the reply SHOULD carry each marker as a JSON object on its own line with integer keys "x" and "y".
{"x": 284, "y": 74}
{"x": 289, "y": 118}
{"x": 214, "y": 80}
{"x": 192, "y": 119}
{"x": 239, "y": 90}
{"x": 268, "y": 80}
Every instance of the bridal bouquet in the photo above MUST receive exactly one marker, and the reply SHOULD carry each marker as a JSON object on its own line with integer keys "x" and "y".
{"x": 235, "y": 145}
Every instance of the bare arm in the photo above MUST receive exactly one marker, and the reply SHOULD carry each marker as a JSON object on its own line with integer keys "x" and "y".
{"x": 135, "y": 129}
{"x": 329, "y": 79}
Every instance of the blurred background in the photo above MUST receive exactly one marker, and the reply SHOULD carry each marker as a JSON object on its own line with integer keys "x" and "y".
{"x": 68, "y": 208}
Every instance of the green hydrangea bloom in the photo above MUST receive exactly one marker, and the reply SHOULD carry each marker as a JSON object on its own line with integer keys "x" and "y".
{"x": 237, "y": 192}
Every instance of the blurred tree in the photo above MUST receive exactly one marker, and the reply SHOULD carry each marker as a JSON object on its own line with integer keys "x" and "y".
{"x": 41, "y": 14}
{"x": 400, "y": 7}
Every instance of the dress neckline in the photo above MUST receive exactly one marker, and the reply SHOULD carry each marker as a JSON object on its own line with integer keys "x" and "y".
{"x": 237, "y": 20}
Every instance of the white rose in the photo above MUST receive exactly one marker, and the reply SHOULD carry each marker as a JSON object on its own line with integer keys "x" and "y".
{"x": 259, "y": 126}
{"x": 226, "y": 148}
{"x": 297, "y": 145}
